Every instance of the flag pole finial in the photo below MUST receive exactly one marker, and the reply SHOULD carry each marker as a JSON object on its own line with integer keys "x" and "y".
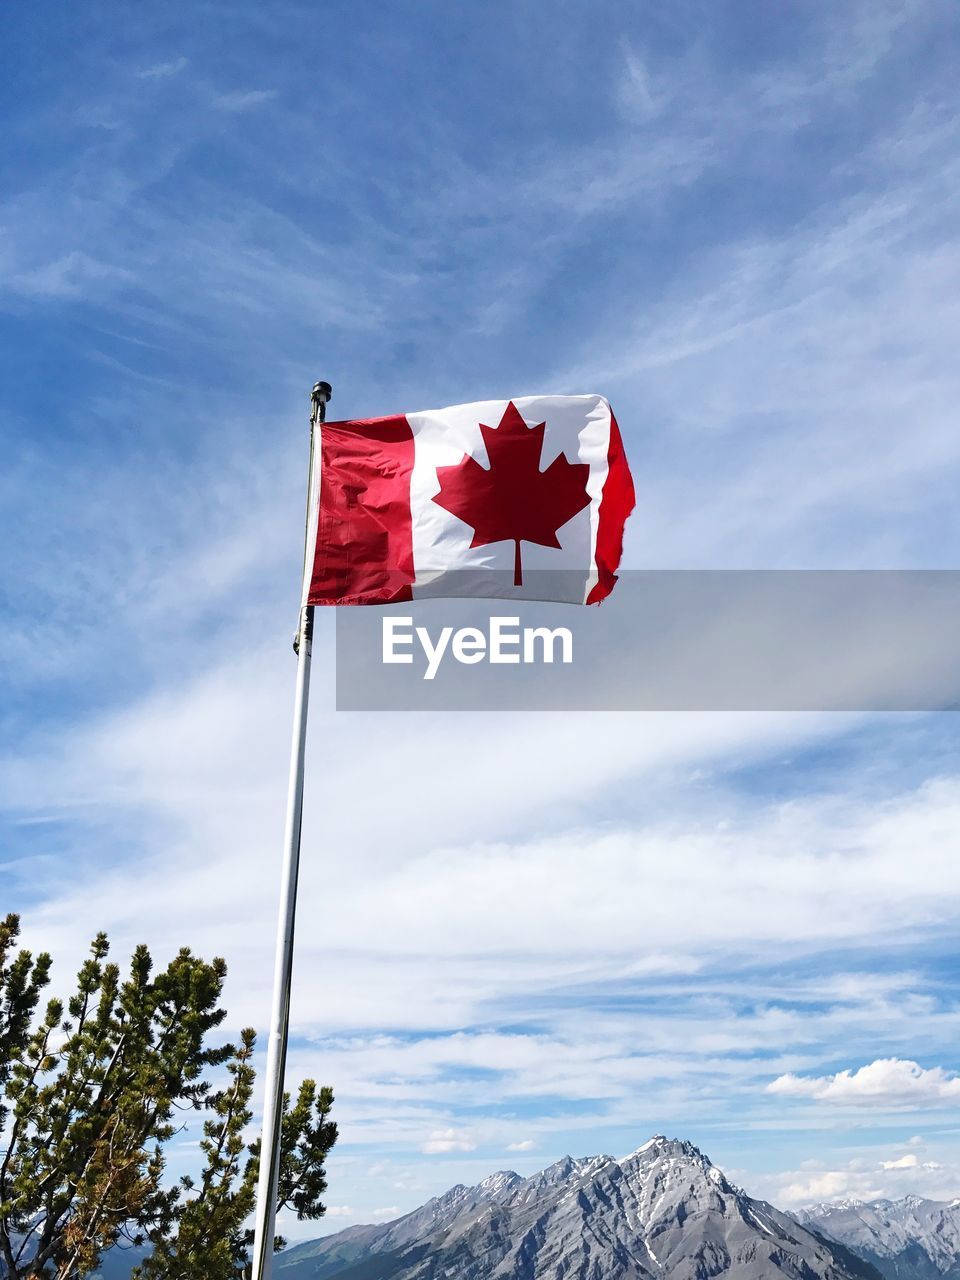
{"x": 319, "y": 396}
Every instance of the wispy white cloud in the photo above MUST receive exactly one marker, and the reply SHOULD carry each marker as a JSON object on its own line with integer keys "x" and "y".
{"x": 163, "y": 70}
{"x": 243, "y": 99}
{"x": 199, "y": 773}
{"x": 74, "y": 275}
{"x": 442, "y": 1141}
{"x": 865, "y": 1176}
{"x": 636, "y": 93}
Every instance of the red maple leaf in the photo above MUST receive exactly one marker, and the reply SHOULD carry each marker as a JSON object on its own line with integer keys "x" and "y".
{"x": 513, "y": 500}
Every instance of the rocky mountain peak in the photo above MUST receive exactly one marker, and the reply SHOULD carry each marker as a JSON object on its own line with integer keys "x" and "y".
{"x": 663, "y": 1213}
{"x": 498, "y": 1184}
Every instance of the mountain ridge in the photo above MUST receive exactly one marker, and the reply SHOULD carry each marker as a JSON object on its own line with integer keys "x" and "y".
{"x": 905, "y": 1239}
{"x": 664, "y": 1212}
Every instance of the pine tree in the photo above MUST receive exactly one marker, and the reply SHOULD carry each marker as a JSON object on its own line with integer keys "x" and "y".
{"x": 209, "y": 1237}
{"x": 89, "y": 1094}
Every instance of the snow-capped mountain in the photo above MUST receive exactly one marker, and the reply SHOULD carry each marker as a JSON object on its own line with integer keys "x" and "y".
{"x": 663, "y": 1212}
{"x": 908, "y": 1239}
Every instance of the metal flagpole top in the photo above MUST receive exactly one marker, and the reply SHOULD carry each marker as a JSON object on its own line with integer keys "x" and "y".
{"x": 321, "y": 393}
{"x": 319, "y": 397}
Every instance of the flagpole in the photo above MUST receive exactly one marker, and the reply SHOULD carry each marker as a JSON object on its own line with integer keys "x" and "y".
{"x": 266, "y": 1215}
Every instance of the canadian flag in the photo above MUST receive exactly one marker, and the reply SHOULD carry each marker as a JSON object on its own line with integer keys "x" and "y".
{"x": 523, "y": 498}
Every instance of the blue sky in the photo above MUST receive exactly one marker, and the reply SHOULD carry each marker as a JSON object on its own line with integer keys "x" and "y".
{"x": 520, "y": 936}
